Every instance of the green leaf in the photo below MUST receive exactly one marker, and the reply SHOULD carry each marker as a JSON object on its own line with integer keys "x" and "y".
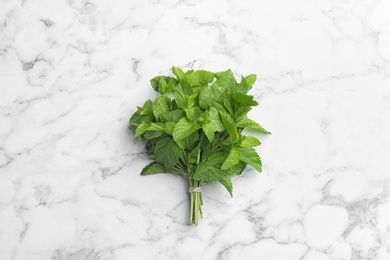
{"x": 227, "y": 183}
{"x": 178, "y": 72}
{"x": 156, "y": 81}
{"x": 244, "y": 100}
{"x": 156, "y": 127}
{"x": 147, "y": 108}
{"x": 228, "y": 122}
{"x": 172, "y": 116}
{"x": 210, "y": 170}
{"x": 250, "y": 156}
{"x": 161, "y": 105}
{"x": 232, "y": 159}
{"x": 200, "y": 77}
{"x": 245, "y": 122}
{"x": 209, "y": 95}
{"x": 209, "y": 130}
{"x": 249, "y": 141}
{"x": 137, "y": 118}
{"x": 152, "y": 168}
{"x": 169, "y": 126}
{"x": 229, "y": 104}
{"x": 236, "y": 169}
{"x": 242, "y": 112}
{"x": 184, "y": 96}
{"x": 184, "y": 128}
{"x": 216, "y": 120}
{"x": 193, "y": 113}
{"x": 225, "y": 79}
{"x": 153, "y": 134}
{"x": 141, "y": 129}
{"x": 189, "y": 141}
{"x": 167, "y": 153}
{"x": 249, "y": 80}
{"x": 163, "y": 84}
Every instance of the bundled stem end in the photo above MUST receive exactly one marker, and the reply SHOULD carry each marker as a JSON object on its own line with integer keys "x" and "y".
{"x": 196, "y": 202}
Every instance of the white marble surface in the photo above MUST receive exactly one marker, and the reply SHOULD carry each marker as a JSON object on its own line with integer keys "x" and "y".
{"x": 72, "y": 72}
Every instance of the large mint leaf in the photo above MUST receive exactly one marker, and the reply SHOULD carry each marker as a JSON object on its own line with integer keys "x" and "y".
{"x": 245, "y": 122}
{"x": 141, "y": 129}
{"x": 152, "y": 168}
{"x": 209, "y": 130}
{"x": 249, "y": 80}
{"x": 178, "y": 72}
{"x": 184, "y": 127}
{"x": 193, "y": 113}
{"x": 232, "y": 159}
{"x": 137, "y": 118}
{"x": 225, "y": 79}
{"x": 216, "y": 120}
{"x": 228, "y": 122}
{"x": 250, "y": 156}
{"x": 209, "y": 95}
{"x": 244, "y": 100}
{"x": 200, "y": 77}
{"x": 161, "y": 105}
{"x": 184, "y": 95}
{"x": 163, "y": 84}
{"x": 210, "y": 170}
{"x": 227, "y": 183}
{"x": 167, "y": 152}
{"x": 249, "y": 141}
{"x": 172, "y": 116}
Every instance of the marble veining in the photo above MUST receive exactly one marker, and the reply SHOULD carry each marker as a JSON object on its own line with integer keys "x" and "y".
{"x": 72, "y": 73}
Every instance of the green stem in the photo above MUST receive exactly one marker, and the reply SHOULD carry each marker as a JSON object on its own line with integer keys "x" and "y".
{"x": 196, "y": 197}
{"x": 196, "y": 202}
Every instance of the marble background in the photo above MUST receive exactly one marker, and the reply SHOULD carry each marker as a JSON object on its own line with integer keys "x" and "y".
{"x": 72, "y": 72}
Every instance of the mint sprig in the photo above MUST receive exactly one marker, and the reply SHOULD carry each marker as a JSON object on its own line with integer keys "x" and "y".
{"x": 194, "y": 128}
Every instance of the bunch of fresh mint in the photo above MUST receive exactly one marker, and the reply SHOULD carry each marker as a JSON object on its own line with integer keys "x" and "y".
{"x": 195, "y": 128}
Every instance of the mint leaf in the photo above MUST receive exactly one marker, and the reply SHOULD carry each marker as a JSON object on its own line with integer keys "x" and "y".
{"x": 161, "y": 105}
{"x": 232, "y": 159}
{"x": 209, "y": 95}
{"x": 167, "y": 153}
{"x": 248, "y": 123}
{"x": 184, "y": 96}
{"x": 141, "y": 129}
{"x": 178, "y": 72}
{"x": 200, "y": 77}
{"x": 137, "y": 118}
{"x": 193, "y": 113}
{"x": 210, "y": 170}
{"x": 163, "y": 84}
{"x": 152, "y": 168}
{"x": 250, "y": 156}
{"x": 225, "y": 79}
{"x": 172, "y": 116}
{"x": 188, "y": 142}
{"x": 249, "y": 80}
{"x": 227, "y": 183}
{"x": 184, "y": 128}
{"x": 244, "y": 100}
{"x": 169, "y": 126}
{"x": 228, "y": 122}
{"x": 249, "y": 141}
{"x": 209, "y": 130}
{"x": 156, "y": 126}
{"x": 216, "y": 120}
{"x": 153, "y": 134}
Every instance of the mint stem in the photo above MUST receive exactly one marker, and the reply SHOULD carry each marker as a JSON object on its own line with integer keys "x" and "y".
{"x": 196, "y": 202}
